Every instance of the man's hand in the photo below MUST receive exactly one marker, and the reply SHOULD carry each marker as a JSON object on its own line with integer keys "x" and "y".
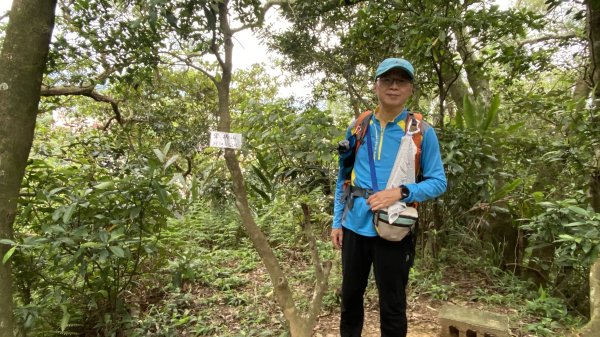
{"x": 336, "y": 237}
{"x": 384, "y": 199}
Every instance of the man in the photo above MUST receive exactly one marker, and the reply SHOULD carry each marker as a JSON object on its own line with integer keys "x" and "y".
{"x": 353, "y": 230}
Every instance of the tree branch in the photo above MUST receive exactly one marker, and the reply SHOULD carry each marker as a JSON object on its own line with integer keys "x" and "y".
{"x": 321, "y": 269}
{"x": 88, "y": 91}
{"x": 263, "y": 11}
{"x": 262, "y": 14}
{"x": 189, "y": 168}
{"x": 107, "y": 124}
{"x": 353, "y": 92}
{"x": 109, "y": 71}
{"x": 215, "y": 49}
{"x": 546, "y": 38}
{"x": 189, "y": 63}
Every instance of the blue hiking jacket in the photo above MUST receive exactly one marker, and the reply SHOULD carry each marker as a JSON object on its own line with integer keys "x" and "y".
{"x": 386, "y": 143}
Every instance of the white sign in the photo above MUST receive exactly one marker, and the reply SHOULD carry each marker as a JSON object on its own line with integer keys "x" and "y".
{"x": 225, "y": 140}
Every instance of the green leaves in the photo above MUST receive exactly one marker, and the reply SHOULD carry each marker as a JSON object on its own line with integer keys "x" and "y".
{"x": 118, "y": 251}
{"x": 171, "y": 18}
{"x": 105, "y": 185}
{"x": 267, "y": 177}
{"x": 8, "y": 254}
{"x": 210, "y": 15}
{"x": 572, "y": 229}
{"x": 478, "y": 115}
{"x": 506, "y": 189}
{"x": 85, "y": 224}
{"x": 567, "y": 237}
{"x": 491, "y": 114}
{"x": 64, "y": 321}
{"x": 170, "y": 161}
{"x": 93, "y": 245}
{"x": 160, "y": 155}
{"x": 7, "y": 242}
{"x": 163, "y": 158}
{"x": 292, "y": 147}
{"x": 580, "y": 211}
{"x": 68, "y": 213}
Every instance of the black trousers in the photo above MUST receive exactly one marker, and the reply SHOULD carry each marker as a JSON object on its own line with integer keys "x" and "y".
{"x": 391, "y": 263}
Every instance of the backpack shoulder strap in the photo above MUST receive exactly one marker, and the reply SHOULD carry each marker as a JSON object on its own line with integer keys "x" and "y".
{"x": 360, "y": 127}
{"x": 414, "y": 124}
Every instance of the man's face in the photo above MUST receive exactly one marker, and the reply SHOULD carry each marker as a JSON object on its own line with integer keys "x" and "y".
{"x": 393, "y": 88}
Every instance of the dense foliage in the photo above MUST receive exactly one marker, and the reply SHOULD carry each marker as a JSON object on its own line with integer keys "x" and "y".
{"x": 127, "y": 223}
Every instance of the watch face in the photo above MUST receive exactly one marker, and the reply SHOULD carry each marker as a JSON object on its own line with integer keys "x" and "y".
{"x": 404, "y": 192}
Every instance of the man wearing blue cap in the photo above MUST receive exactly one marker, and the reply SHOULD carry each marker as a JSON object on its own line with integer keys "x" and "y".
{"x": 353, "y": 230}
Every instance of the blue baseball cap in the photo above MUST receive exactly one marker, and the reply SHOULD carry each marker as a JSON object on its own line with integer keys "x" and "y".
{"x": 391, "y": 63}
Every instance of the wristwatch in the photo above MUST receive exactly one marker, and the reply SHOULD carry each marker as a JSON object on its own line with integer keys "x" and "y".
{"x": 404, "y": 192}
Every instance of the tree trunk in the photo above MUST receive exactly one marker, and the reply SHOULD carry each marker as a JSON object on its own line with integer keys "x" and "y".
{"x": 300, "y": 325}
{"x": 453, "y": 81}
{"x": 593, "y": 327}
{"x": 581, "y": 93}
{"x": 593, "y": 17}
{"x": 281, "y": 287}
{"x": 479, "y": 83}
{"x": 22, "y": 63}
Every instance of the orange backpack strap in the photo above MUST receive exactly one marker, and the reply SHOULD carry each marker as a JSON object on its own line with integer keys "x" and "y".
{"x": 360, "y": 128}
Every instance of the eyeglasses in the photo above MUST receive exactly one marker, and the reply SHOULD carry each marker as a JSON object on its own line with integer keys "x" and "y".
{"x": 389, "y": 81}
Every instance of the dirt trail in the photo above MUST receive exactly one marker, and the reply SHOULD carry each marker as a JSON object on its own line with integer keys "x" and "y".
{"x": 422, "y": 322}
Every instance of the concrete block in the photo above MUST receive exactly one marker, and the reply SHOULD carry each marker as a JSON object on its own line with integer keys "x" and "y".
{"x": 466, "y": 322}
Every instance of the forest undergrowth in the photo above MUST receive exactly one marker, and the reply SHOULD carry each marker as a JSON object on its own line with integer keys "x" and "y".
{"x": 215, "y": 285}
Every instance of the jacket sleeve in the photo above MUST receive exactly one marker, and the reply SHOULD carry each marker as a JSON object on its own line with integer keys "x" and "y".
{"x": 338, "y": 205}
{"x": 434, "y": 177}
